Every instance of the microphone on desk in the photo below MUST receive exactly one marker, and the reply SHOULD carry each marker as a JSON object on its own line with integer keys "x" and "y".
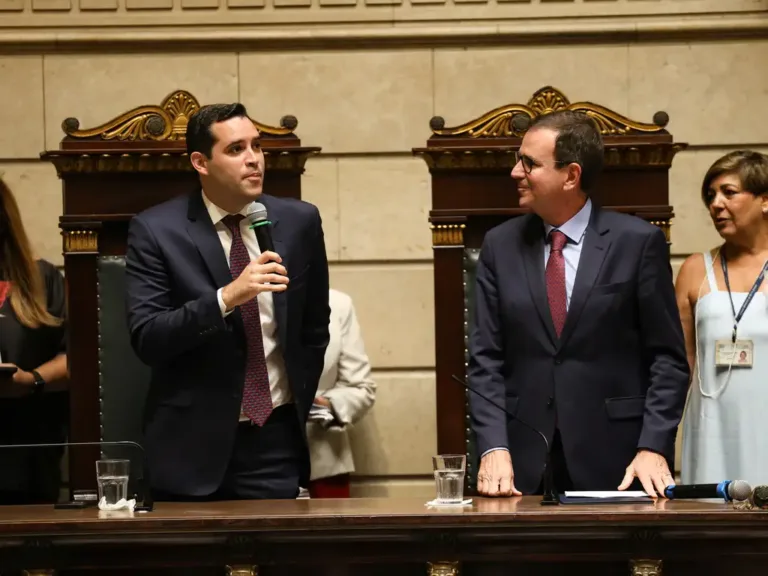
{"x": 728, "y": 490}
{"x": 146, "y": 493}
{"x": 550, "y": 495}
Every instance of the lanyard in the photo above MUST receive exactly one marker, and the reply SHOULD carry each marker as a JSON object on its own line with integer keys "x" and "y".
{"x": 747, "y": 300}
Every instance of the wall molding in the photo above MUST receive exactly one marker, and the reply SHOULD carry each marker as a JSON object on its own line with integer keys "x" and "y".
{"x": 391, "y": 35}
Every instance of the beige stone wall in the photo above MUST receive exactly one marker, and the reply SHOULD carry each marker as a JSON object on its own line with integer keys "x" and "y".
{"x": 364, "y": 89}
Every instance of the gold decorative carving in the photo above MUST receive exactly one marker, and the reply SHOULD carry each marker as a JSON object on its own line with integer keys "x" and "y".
{"x": 165, "y": 122}
{"x": 242, "y": 570}
{"x": 645, "y": 567}
{"x": 81, "y": 241}
{"x": 442, "y": 569}
{"x": 447, "y": 234}
{"x": 665, "y": 227}
{"x": 38, "y": 572}
{"x": 504, "y": 158}
{"x": 501, "y": 121}
{"x": 159, "y": 162}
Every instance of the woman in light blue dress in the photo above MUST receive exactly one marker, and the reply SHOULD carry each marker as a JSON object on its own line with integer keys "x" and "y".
{"x": 723, "y": 304}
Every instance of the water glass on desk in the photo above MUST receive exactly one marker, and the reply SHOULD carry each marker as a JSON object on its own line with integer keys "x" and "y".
{"x": 112, "y": 478}
{"x": 449, "y": 477}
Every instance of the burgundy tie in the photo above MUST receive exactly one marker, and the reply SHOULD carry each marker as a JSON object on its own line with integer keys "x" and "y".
{"x": 555, "y": 276}
{"x": 257, "y": 399}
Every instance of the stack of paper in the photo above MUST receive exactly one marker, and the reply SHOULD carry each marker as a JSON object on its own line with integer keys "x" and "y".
{"x": 605, "y": 497}
{"x": 321, "y": 415}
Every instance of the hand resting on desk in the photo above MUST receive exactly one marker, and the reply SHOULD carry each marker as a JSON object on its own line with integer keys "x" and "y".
{"x": 496, "y": 476}
{"x": 652, "y": 471}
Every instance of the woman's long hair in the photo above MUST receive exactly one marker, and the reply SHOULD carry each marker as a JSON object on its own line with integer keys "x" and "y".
{"x": 19, "y": 268}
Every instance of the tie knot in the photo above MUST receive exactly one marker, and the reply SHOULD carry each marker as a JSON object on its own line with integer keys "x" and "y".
{"x": 558, "y": 240}
{"x": 233, "y": 222}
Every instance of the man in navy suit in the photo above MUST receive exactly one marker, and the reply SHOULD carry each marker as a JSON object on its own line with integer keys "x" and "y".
{"x": 575, "y": 329}
{"x": 235, "y": 336}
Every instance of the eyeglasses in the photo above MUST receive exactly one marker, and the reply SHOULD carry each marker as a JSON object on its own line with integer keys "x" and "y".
{"x": 529, "y": 163}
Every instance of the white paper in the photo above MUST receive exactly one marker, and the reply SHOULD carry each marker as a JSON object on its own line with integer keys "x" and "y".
{"x": 321, "y": 415}
{"x": 465, "y": 502}
{"x": 601, "y": 494}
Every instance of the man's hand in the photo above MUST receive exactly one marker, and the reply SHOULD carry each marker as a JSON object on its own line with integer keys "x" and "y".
{"x": 496, "y": 477}
{"x": 322, "y": 401}
{"x": 265, "y": 274}
{"x": 17, "y": 384}
{"x": 652, "y": 471}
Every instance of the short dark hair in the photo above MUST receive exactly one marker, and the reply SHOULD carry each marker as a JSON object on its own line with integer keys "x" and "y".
{"x": 199, "y": 135}
{"x": 578, "y": 141}
{"x": 751, "y": 168}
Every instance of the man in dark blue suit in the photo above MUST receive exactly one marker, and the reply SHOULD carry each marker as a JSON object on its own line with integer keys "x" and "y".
{"x": 575, "y": 329}
{"x": 235, "y": 335}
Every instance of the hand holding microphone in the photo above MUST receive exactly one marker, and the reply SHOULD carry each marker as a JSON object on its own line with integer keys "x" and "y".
{"x": 266, "y": 273}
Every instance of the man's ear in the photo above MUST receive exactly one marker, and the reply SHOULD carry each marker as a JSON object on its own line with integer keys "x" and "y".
{"x": 199, "y": 162}
{"x": 573, "y": 176}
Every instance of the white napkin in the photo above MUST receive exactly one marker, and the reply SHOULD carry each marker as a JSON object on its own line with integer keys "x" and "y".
{"x": 321, "y": 415}
{"x": 121, "y": 504}
{"x": 441, "y": 504}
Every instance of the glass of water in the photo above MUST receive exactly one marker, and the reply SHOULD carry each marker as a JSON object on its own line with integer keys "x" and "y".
{"x": 112, "y": 478}
{"x": 449, "y": 477}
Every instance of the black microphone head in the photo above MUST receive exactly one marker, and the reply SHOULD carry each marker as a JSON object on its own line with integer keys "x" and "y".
{"x": 256, "y": 212}
{"x": 739, "y": 490}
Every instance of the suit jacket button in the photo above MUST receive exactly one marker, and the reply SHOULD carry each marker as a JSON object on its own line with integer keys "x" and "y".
{"x": 558, "y": 361}
{"x": 550, "y": 401}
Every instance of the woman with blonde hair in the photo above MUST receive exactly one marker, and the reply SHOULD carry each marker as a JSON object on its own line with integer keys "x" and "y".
{"x": 33, "y": 364}
{"x": 724, "y": 309}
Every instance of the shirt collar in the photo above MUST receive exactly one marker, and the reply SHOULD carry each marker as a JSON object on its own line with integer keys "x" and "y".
{"x": 575, "y": 227}
{"x": 216, "y": 213}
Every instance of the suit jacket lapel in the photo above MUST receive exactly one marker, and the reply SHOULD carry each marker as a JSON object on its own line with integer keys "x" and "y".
{"x": 278, "y": 298}
{"x": 533, "y": 257}
{"x": 203, "y": 234}
{"x": 596, "y": 244}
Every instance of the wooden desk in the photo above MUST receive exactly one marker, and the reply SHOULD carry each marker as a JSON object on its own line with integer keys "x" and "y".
{"x": 398, "y": 537}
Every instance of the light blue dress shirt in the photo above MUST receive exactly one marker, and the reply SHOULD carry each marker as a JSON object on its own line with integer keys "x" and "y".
{"x": 574, "y": 230}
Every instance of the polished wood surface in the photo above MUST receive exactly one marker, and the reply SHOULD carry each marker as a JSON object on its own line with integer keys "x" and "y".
{"x": 389, "y": 536}
{"x": 370, "y": 513}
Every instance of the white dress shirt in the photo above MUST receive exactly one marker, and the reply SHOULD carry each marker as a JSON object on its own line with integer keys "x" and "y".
{"x": 278, "y": 377}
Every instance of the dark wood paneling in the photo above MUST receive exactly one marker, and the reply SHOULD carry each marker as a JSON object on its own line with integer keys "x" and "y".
{"x": 388, "y": 536}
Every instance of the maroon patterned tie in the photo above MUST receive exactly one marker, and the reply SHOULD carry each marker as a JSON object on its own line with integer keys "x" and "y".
{"x": 257, "y": 399}
{"x": 555, "y": 276}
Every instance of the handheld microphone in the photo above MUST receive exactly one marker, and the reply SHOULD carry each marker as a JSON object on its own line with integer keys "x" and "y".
{"x": 145, "y": 494}
{"x": 550, "y": 495}
{"x": 260, "y": 224}
{"x": 728, "y": 490}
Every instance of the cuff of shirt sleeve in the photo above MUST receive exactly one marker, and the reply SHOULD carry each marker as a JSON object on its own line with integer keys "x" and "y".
{"x": 222, "y": 306}
{"x": 494, "y": 450}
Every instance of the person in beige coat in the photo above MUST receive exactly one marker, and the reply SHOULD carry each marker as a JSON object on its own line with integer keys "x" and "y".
{"x": 345, "y": 394}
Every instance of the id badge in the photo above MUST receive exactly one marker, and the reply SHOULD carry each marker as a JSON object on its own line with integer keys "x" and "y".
{"x": 728, "y": 353}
